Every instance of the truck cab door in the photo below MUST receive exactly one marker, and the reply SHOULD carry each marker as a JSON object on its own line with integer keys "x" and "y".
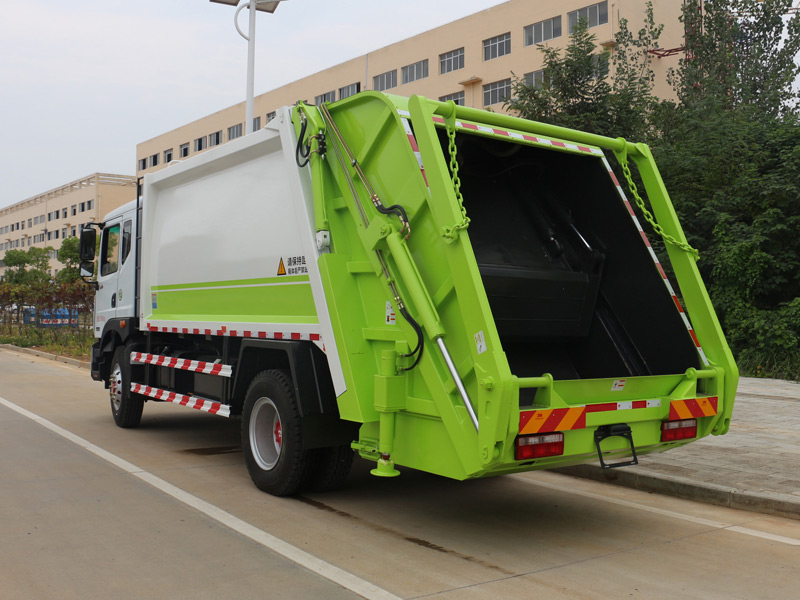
{"x": 106, "y": 299}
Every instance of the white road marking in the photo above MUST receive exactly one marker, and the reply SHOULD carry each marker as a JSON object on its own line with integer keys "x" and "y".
{"x": 663, "y": 512}
{"x": 339, "y": 576}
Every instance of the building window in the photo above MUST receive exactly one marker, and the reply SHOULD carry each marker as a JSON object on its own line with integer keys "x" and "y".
{"x": 385, "y": 81}
{"x": 497, "y": 46}
{"x": 142, "y": 164}
{"x": 200, "y": 144}
{"x": 535, "y": 78}
{"x": 543, "y": 31}
{"x": 451, "y": 61}
{"x": 74, "y": 231}
{"x": 154, "y": 160}
{"x": 183, "y": 151}
{"x": 326, "y": 97}
{"x": 30, "y": 221}
{"x": 600, "y": 62}
{"x": 83, "y": 206}
{"x": 89, "y": 204}
{"x": 215, "y": 139}
{"x": 349, "y": 90}
{"x": 64, "y": 213}
{"x": 256, "y": 123}
{"x": 55, "y": 234}
{"x": 419, "y": 70}
{"x": 596, "y": 14}
{"x": 167, "y": 156}
{"x": 64, "y": 233}
{"x": 499, "y": 91}
{"x": 235, "y": 132}
{"x": 74, "y": 209}
{"x": 270, "y": 116}
{"x": 458, "y": 98}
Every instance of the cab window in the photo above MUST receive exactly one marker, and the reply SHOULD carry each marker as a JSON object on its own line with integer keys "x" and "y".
{"x": 126, "y": 240}
{"x": 109, "y": 251}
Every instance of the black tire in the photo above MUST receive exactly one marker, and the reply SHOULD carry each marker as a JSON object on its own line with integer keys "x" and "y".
{"x": 332, "y": 468}
{"x": 272, "y": 435}
{"x": 125, "y": 406}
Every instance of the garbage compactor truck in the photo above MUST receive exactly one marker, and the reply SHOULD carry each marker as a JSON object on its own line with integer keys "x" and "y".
{"x": 428, "y": 285}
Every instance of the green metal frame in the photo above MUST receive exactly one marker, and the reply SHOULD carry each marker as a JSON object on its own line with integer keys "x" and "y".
{"x": 418, "y": 417}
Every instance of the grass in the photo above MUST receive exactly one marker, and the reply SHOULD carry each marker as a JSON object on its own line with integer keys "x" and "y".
{"x": 74, "y": 342}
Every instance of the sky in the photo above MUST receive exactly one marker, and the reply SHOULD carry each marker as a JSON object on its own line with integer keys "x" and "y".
{"x": 82, "y": 82}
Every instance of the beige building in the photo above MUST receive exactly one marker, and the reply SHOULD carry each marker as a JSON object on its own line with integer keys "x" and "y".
{"x": 471, "y": 61}
{"x": 46, "y": 220}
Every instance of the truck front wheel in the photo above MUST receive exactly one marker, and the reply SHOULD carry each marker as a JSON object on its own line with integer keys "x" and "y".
{"x": 272, "y": 435}
{"x": 125, "y": 406}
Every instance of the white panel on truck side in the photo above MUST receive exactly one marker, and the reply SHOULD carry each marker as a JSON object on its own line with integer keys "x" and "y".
{"x": 228, "y": 245}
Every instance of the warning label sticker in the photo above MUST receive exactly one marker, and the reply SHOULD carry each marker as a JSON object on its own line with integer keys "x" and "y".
{"x": 480, "y": 342}
{"x": 391, "y": 318}
{"x": 618, "y": 385}
{"x": 294, "y": 265}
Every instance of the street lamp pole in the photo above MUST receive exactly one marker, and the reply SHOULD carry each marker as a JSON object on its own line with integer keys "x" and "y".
{"x": 254, "y": 5}
{"x": 251, "y": 61}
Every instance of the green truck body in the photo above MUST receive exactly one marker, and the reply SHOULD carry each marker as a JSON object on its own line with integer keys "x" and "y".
{"x": 484, "y": 297}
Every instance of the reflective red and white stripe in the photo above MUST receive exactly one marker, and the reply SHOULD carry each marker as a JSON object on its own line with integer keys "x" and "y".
{"x": 227, "y": 330}
{"x": 522, "y": 137}
{"x": 198, "y": 366}
{"x": 660, "y": 268}
{"x": 209, "y": 406}
{"x": 413, "y": 141}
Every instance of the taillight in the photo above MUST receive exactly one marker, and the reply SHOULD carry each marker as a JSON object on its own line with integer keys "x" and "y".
{"x": 539, "y": 446}
{"x": 672, "y": 431}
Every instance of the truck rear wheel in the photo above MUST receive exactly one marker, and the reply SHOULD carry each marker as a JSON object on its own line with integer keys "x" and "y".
{"x": 332, "y": 468}
{"x": 125, "y": 406}
{"x": 272, "y": 435}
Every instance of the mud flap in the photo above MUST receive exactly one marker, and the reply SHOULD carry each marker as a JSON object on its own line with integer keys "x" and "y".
{"x": 618, "y": 430}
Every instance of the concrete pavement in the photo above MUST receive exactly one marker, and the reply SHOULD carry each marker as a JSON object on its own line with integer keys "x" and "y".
{"x": 416, "y": 536}
{"x": 755, "y": 466}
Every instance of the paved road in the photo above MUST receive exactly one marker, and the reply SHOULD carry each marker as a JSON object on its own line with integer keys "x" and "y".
{"x": 76, "y": 526}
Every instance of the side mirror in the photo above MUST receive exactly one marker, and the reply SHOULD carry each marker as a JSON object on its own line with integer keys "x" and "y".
{"x": 87, "y": 268}
{"x": 88, "y": 242}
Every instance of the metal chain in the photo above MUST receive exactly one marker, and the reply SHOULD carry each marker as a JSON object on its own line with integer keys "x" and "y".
{"x": 648, "y": 216}
{"x": 451, "y": 232}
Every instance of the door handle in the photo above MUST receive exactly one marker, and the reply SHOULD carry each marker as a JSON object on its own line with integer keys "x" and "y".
{"x": 113, "y": 300}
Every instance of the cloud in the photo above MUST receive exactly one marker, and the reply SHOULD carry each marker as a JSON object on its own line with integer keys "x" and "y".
{"x": 81, "y": 83}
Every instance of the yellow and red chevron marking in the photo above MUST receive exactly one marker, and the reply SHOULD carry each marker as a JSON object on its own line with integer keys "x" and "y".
{"x": 554, "y": 419}
{"x": 694, "y": 408}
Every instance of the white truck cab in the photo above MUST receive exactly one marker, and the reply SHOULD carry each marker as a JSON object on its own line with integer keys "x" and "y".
{"x": 116, "y": 277}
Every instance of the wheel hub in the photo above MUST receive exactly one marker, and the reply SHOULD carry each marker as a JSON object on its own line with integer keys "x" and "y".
{"x": 265, "y": 433}
{"x": 115, "y": 387}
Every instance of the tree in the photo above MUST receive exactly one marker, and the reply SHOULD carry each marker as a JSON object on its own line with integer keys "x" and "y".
{"x": 740, "y": 53}
{"x": 27, "y": 266}
{"x": 575, "y": 91}
{"x": 729, "y": 152}
{"x": 69, "y": 254}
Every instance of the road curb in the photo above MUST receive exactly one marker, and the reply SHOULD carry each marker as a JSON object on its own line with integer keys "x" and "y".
{"x": 63, "y": 359}
{"x": 640, "y": 478}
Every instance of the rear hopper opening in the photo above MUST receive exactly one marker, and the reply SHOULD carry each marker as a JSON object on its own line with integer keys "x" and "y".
{"x": 573, "y": 289}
